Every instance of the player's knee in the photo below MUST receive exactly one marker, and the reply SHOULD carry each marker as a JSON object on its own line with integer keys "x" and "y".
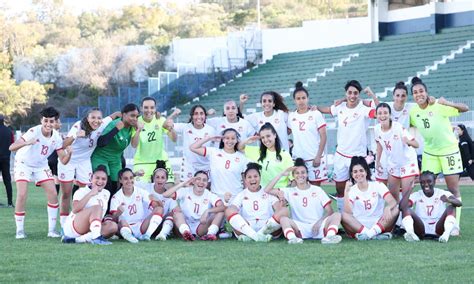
{"x": 230, "y": 211}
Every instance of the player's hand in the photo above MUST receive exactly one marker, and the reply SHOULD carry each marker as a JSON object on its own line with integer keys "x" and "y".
{"x": 369, "y": 92}
{"x": 281, "y": 196}
{"x": 288, "y": 171}
{"x": 157, "y": 115}
{"x": 338, "y": 102}
{"x": 313, "y": 108}
{"x": 442, "y": 101}
{"x": 140, "y": 173}
{"x": 139, "y": 126}
{"x": 120, "y": 125}
{"x": 189, "y": 182}
{"x": 243, "y": 98}
{"x": 347, "y": 189}
{"x": 217, "y": 138}
{"x": 211, "y": 111}
{"x": 94, "y": 191}
{"x": 116, "y": 115}
{"x": 252, "y": 139}
{"x": 379, "y": 168}
{"x": 227, "y": 197}
{"x": 121, "y": 208}
{"x": 316, "y": 162}
{"x": 431, "y": 100}
{"x": 444, "y": 198}
{"x": 168, "y": 124}
{"x": 204, "y": 217}
{"x": 80, "y": 133}
{"x": 176, "y": 112}
{"x": 68, "y": 150}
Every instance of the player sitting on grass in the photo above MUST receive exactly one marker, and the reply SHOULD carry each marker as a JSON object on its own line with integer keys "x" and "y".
{"x": 250, "y": 210}
{"x": 159, "y": 181}
{"x": 311, "y": 214}
{"x": 86, "y": 221}
{"x": 200, "y": 211}
{"x": 31, "y": 164}
{"x": 434, "y": 212}
{"x": 129, "y": 206}
{"x": 365, "y": 214}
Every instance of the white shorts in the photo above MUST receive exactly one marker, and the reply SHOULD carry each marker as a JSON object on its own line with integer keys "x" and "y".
{"x": 368, "y": 222}
{"x": 136, "y": 229}
{"x": 319, "y": 173}
{"x": 430, "y": 226}
{"x": 23, "y": 172}
{"x": 68, "y": 227}
{"x": 257, "y": 224}
{"x": 193, "y": 225}
{"x": 341, "y": 167}
{"x": 382, "y": 175}
{"x": 168, "y": 207}
{"x": 408, "y": 170}
{"x": 80, "y": 172}
{"x": 306, "y": 229}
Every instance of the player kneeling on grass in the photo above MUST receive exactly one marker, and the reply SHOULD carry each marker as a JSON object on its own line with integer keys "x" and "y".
{"x": 311, "y": 214}
{"x": 200, "y": 211}
{"x": 159, "y": 181}
{"x": 85, "y": 222}
{"x": 365, "y": 214}
{"x": 250, "y": 212}
{"x": 31, "y": 164}
{"x": 129, "y": 207}
{"x": 434, "y": 212}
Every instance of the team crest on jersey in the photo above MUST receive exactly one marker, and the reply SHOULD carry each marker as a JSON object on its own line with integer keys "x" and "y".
{"x": 405, "y": 111}
{"x": 62, "y": 176}
{"x": 421, "y": 201}
{"x": 190, "y": 131}
{"x": 240, "y": 129}
{"x": 430, "y": 113}
{"x": 294, "y": 119}
{"x": 222, "y": 126}
{"x": 310, "y": 117}
{"x": 237, "y": 159}
{"x": 205, "y": 201}
{"x": 157, "y": 127}
{"x": 436, "y": 200}
{"x": 374, "y": 194}
{"x": 138, "y": 198}
{"x": 412, "y": 171}
{"x": 219, "y": 155}
{"x": 189, "y": 197}
{"x": 357, "y": 198}
{"x": 355, "y": 115}
{"x": 264, "y": 196}
{"x": 277, "y": 121}
{"x": 295, "y": 193}
{"x": 395, "y": 137}
{"x": 246, "y": 198}
{"x": 260, "y": 122}
{"x": 314, "y": 194}
{"x": 391, "y": 171}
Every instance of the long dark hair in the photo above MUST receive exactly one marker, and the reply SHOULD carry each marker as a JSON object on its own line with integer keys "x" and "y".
{"x": 85, "y": 123}
{"x": 160, "y": 165}
{"x": 236, "y": 146}
{"x": 465, "y": 134}
{"x": 277, "y": 100}
{"x": 359, "y": 160}
{"x": 193, "y": 109}
{"x": 385, "y": 105}
{"x": 263, "y": 148}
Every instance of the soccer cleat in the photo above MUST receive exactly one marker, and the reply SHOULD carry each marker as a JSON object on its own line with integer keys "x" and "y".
{"x": 160, "y": 237}
{"x": 263, "y": 238}
{"x": 410, "y": 237}
{"x": 383, "y": 236}
{"x": 209, "y": 237}
{"x": 244, "y": 238}
{"x": 187, "y": 236}
{"x": 10, "y": 206}
{"x": 455, "y": 232}
{"x": 335, "y": 239}
{"x": 129, "y": 237}
{"x": 101, "y": 241}
{"x": 362, "y": 237}
{"x": 53, "y": 234}
{"x": 20, "y": 235}
{"x": 444, "y": 238}
{"x": 67, "y": 240}
{"x": 225, "y": 235}
{"x": 145, "y": 237}
{"x": 295, "y": 241}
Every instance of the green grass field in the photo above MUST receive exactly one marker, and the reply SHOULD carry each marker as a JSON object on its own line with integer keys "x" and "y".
{"x": 39, "y": 259}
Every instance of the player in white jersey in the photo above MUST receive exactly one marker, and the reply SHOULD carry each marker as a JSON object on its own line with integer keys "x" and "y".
{"x": 370, "y": 211}
{"x": 397, "y": 145}
{"x": 311, "y": 214}
{"x": 353, "y": 119}
{"x": 157, "y": 188}
{"x": 129, "y": 206}
{"x": 31, "y": 164}
{"x": 191, "y": 132}
{"x": 201, "y": 211}
{"x": 309, "y": 136}
{"x": 232, "y": 119}
{"x": 253, "y": 213}
{"x": 273, "y": 111}
{"x": 434, "y": 212}
{"x": 226, "y": 162}
{"x": 82, "y": 137}
{"x": 86, "y": 222}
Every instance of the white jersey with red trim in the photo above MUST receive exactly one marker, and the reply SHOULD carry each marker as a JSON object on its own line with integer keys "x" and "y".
{"x": 36, "y": 155}
{"x": 101, "y": 199}
{"x": 255, "y": 206}
{"x": 190, "y": 135}
{"x": 242, "y": 126}
{"x": 429, "y": 209}
{"x": 307, "y": 206}
{"x": 402, "y": 116}
{"x": 305, "y": 129}
{"x": 352, "y": 128}
{"x": 226, "y": 171}
{"x": 136, "y": 206}
{"x": 192, "y": 205}
{"x": 279, "y": 121}
{"x": 82, "y": 147}
{"x": 395, "y": 150}
{"x": 369, "y": 203}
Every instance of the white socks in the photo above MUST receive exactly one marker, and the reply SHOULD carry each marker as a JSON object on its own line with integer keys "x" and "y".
{"x": 52, "y": 216}
{"x": 20, "y": 221}
{"x": 155, "y": 221}
{"x": 239, "y": 224}
{"x": 95, "y": 227}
